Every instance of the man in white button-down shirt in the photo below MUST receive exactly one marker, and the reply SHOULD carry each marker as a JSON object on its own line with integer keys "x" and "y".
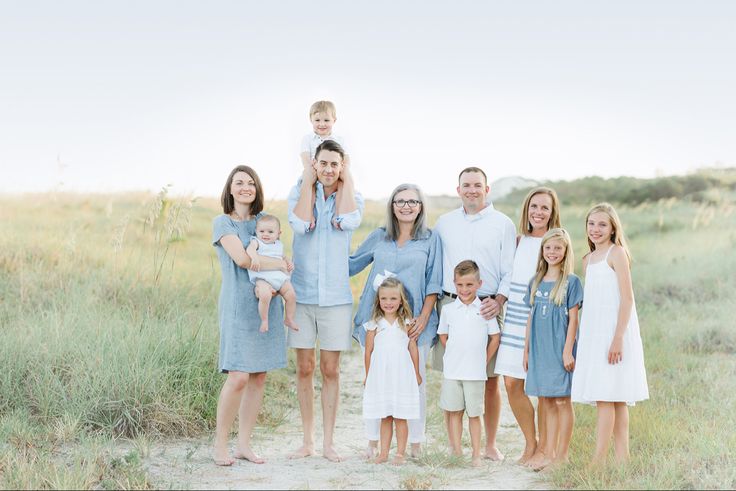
{"x": 479, "y": 232}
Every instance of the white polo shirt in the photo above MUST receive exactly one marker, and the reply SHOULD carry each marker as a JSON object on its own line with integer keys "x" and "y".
{"x": 311, "y": 141}
{"x": 467, "y": 339}
{"x": 488, "y": 238}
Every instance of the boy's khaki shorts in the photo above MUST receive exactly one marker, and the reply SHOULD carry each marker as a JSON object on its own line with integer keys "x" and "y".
{"x": 438, "y": 351}
{"x": 457, "y": 395}
{"x": 332, "y": 326}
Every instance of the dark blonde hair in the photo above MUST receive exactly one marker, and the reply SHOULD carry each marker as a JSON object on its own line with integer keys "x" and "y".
{"x": 617, "y": 236}
{"x": 559, "y": 291}
{"x": 269, "y": 218}
{"x": 323, "y": 107}
{"x": 467, "y": 267}
{"x": 525, "y": 228}
{"x": 227, "y": 201}
{"x": 404, "y": 313}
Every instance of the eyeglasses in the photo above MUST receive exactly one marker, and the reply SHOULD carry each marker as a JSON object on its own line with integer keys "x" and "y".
{"x": 413, "y": 203}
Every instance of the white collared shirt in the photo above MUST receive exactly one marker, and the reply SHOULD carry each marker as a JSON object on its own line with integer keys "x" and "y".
{"x": 311, "y": 141}
{"x": 488, "y": 238}
{"x": 467, "y": 339}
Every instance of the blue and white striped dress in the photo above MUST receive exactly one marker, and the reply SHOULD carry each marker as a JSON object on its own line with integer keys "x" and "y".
{"x": 510, "y": 358}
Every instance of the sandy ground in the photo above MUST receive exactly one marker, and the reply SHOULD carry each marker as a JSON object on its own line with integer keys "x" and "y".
{"x": 187, "y": 463}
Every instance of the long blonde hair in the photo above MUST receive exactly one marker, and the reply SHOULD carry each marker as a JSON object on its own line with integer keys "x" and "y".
{"x": 525, "y": 228}
{"x": 617, "y": 236}
{"x": 557, "y": 295}
{"x": 404, "y": 313}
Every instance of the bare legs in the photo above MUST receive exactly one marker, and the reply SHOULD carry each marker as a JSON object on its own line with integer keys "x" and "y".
{"x": 289, "y": 295}
{"x": 613, "y": 420}
{"x": 330, "y": 369}
{"x": 402, "y": 435}
{"x": 455, "y": 433}
{"x": 560, "y": 420}
{"x": 523, "y": 410}
{"x": 264, "y": 293}
{"x": 491, "y": 417}
{"x": 231, "y": 398}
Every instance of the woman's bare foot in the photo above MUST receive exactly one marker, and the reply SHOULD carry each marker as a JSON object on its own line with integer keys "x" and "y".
{"x": 290, "y": 323}
{"x": 381, "y": 459}
{"x": 221, "y": 457}
{"x": 331, "y": 454}
{"x": 476, "y": 461}
{"x": 398, "y": 459}
{"x": 264, "y": 326}
{"x": 245, "y": 453}
{"x": 416, "y": 450}
{"x": 529, "y": 452}
{"x": 302, "y": 452}
{"x": 492, "y": 453}
{"x": 536, "y": 458}
{"x": 538, "y": 466}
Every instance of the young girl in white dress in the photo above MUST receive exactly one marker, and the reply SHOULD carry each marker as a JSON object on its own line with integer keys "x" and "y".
{"x": 391, "y": 368}
{"x": 609, "y": 368}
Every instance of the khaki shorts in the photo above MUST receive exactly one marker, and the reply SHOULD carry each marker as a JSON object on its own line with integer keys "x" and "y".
{"x": 457, "y": 395}
{"x": 439, "y": 351}
{"x": 332, "y": 326}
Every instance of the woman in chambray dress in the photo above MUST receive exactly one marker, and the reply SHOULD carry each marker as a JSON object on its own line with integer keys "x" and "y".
{"x": 407, "y": 249}
{"x": 245, "y": 353}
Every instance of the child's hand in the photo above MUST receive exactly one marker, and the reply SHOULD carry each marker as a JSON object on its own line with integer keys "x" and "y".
{"x": 615, "y": 354}
{"x": 289, "y": 265}
{"x": 568, "y": 361}
{"x": 419, "y": 379}
{"x": 526, "y": 361}
{"x": 255, "y": 264}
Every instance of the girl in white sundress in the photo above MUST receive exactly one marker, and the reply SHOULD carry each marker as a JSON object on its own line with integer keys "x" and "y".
{"x": 540, "y": 213}
{"x": 609, "y": 369}
{"x": 391, "y": 368}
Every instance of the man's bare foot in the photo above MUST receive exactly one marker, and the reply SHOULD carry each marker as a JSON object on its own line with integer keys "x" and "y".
{"x": 492, "y": 453}
{"x": 222, "y": 458}
{"x": 398, "y": 459}
{"x": 245, "y": 453}
{"x": 529, "y": 452}
{"x": 264, "y": 326}
{"x": 291, "y": 324}
{"x": 416, "y": 450}
{"x": 476, "y": 462}
{"x": 331, "y": 454}
{"x": 381, "y": 459}
{"x": 302, "y": 452}
{"x": 370, "y": 451}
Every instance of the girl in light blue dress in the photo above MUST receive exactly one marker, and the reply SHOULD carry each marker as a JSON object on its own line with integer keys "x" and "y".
{"x": 406, "y": 249}
{"x": 554, "y": 296}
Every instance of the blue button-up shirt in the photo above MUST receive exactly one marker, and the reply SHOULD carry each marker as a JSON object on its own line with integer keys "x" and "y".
{"x": 321, "y": 275}
{"x": 417, "y": 264}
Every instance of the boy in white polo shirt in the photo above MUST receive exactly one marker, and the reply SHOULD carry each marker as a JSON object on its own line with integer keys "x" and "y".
{"x": 465, "y": 335}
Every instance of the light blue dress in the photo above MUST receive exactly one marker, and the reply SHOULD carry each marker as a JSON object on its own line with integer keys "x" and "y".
{"x": 417, "y": 264}
{"x": 242, "y": 347}
{"x": 547, "y": 376}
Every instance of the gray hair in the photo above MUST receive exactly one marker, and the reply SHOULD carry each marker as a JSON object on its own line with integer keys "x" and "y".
{"x": 419, "y": 230}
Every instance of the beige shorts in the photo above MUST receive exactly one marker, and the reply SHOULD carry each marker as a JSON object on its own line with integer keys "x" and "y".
{"x": 457, "y": 395}
{"x": 439, "y": 351}
{"x": 333, "y": 327}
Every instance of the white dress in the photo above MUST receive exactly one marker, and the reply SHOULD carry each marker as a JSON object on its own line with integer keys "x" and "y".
{"x": 391, "y": 388}
{"x": 594, "y": 378}
{"x": 510, "y": 358}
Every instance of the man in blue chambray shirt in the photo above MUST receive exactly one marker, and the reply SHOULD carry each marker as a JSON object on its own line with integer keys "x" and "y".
{"x": 324, "y": 209}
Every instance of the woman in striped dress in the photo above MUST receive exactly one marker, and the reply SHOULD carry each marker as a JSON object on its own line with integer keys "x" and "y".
{"x": 541, "y": 212}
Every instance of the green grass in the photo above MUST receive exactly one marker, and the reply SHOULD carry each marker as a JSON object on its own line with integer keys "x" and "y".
{"x": 108, "y": 308}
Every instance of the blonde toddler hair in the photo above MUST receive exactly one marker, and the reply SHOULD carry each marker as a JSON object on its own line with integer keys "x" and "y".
{"x": 323, "y": 107}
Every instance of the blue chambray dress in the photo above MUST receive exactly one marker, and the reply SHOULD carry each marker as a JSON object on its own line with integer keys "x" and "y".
{"x": 242, "y": 347}
{"x": 547, "y": 376}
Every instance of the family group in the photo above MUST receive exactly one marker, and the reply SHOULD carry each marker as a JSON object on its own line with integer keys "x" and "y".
{"x": 474, "y": 296}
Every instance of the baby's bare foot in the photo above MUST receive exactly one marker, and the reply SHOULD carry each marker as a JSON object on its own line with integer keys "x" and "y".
{"x": 291, "y": 324}
{"x": 245, "y": 453}
{"x": 302, "y": 452}
{"x": 331, "y": 454}
{"x": 492, "y": 453}
{"x": 398, "y": 459}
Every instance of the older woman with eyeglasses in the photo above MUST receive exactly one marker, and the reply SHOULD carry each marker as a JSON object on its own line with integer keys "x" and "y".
{"x": 407, "y": 249}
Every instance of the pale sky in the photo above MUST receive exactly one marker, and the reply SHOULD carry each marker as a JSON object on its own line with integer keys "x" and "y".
{"x": 134, "y": 95}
